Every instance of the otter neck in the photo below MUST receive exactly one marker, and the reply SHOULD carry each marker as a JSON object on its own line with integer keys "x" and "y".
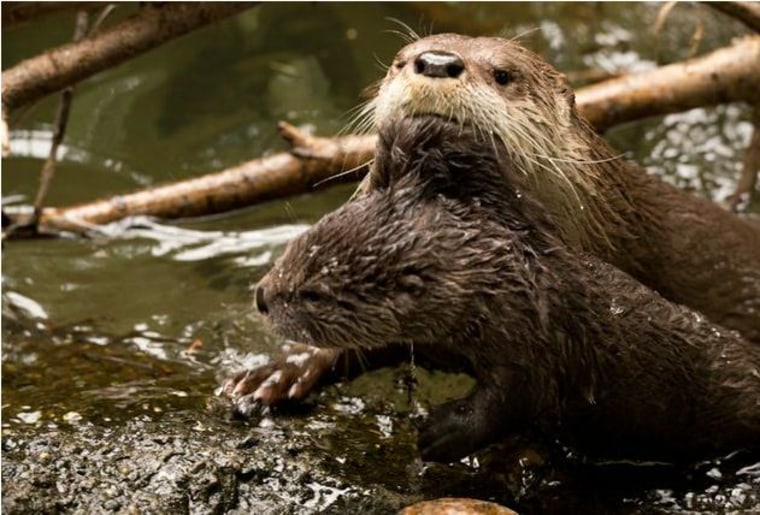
{"x": 584, "y": 192}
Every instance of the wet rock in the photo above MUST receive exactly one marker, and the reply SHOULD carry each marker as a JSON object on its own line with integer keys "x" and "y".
{"x": 456, "y": 506}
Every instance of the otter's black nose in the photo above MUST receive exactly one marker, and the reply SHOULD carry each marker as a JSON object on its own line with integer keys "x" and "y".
{"x": 261, "y": 303}
{"x": 438, "y": 64}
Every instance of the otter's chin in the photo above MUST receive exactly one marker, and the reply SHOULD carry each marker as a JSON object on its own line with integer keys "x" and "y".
{"x": 433, "y": 117}
{"x": 289, "y": 330}
{"x": 292, "y": 331}
{"x": 430, "y": 121}
{"x": 295, "y": 332}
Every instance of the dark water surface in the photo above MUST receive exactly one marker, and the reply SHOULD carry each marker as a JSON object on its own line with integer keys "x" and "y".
{"x": 143, "y": 325}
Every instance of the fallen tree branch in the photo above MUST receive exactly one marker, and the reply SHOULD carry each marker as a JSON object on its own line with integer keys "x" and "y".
{"x": 312, "y": 162}
{"x": 746, "y": 12}
{"x": 313, "y": 159}
{"x": 729, "y": 74}
{"x": 56, "y": 69}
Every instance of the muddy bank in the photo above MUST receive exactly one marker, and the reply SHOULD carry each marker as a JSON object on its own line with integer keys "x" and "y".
{"x": 183, "y": 464}
{"x": 202, "y": 462}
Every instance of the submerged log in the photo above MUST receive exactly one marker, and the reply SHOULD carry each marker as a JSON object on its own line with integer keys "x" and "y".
{"x": 726, "y": 75}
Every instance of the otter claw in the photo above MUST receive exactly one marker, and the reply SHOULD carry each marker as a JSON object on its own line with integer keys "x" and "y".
{"x": 297, "y": 391}
{"x": 247, "y": 405}
{"x": 232, "y": 385}
{"x": 291, "y": 376}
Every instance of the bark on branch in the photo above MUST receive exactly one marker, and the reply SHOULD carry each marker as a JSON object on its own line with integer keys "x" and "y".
{"x": 729, "y": 74}
{"x": 726, "y": 75}
{"x": 56, "y": 69}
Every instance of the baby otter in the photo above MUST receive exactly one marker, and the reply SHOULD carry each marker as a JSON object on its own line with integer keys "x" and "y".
{"x": 686, "y": 248}
{"x": 444, "y": 254}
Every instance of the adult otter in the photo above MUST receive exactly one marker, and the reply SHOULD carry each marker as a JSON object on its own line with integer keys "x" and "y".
{"x": 443, "y": 253}
{"x": 684, "y": 247}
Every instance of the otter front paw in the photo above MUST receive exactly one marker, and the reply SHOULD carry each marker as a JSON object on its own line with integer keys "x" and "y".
{"x": 291, "y": 376}
{"x": 460, "y": 427}
{"x": 446, "y": 435}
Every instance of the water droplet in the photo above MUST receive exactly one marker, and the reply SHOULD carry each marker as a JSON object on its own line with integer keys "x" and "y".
{"x": 616, "y": 309}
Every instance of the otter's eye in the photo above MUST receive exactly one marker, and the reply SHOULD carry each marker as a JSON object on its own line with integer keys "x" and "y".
{"x": 399, "y": 64}
{"x": 311, "y": 296}
{"x": 502, "y": 77}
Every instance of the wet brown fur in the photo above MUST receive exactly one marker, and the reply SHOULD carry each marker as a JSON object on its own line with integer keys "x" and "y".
{"x": 688, "y": 249}
{"x": 446, "y": 252}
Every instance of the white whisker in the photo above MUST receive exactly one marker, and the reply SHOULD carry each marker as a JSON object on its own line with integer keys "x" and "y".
{"x": 410, "y": 33}
{"x": 524, "y": 33}
{"x": 343, "y": 173}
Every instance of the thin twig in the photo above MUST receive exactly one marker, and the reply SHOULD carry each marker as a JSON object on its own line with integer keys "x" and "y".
{"x": 16, "y": 13}
{"x": 741, "y": 199}
{"x": 659, "y": 22}
{"x": 104, "y": 14}
{"x": 697, "y": 36}
{"x": 61, "y": 122}
{"x": 746, "y": 12}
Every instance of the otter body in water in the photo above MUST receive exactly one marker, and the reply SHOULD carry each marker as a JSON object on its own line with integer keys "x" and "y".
{"x": 443, "y": 254}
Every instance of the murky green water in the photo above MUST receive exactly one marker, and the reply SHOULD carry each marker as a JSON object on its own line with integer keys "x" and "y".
{"x": 148, "y": 321}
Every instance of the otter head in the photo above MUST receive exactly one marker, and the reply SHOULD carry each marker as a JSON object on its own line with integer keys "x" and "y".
{"x": 410, "y": 262}
{"x": 512, "y": 97}
{"x": 487, "y": 82}
{"x": 492, "y": 84}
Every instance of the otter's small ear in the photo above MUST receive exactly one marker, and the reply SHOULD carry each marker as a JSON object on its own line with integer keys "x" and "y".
{"x": 566, "y": 90}
{"x": 570, "y": 96}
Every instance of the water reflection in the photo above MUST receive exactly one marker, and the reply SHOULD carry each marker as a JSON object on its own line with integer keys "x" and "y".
{"x": 36, "y": 144}
{"x": 182, "y": 244}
